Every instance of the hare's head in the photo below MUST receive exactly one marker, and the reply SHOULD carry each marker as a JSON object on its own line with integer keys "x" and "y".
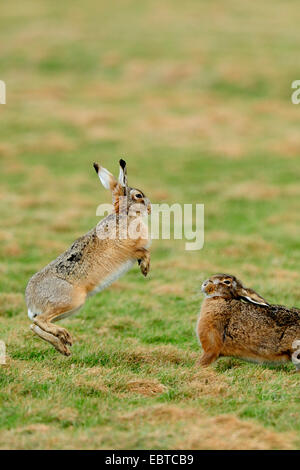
{"x": 124, "y": 198}
{"x": 229, "y": 287}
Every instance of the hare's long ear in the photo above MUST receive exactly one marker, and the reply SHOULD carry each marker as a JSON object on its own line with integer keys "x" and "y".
{"x": 251, "y": 296}
{"x": 110, "y": 182}
{"x": 107, "y": 179}
{"x": 123, "y": 174}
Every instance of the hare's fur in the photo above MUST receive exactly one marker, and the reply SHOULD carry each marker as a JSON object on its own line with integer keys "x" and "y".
{"x": 90, "y": 265}
{"x": 233, "y": 323}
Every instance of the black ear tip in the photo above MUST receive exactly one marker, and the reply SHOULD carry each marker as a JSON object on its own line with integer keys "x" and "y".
{"x": 122, "y": 163}
{"x": 96, "y": 166}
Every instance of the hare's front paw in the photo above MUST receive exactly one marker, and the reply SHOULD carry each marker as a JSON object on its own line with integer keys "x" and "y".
{"x": 143, "y": 257}
{"x": 144, "y": 266}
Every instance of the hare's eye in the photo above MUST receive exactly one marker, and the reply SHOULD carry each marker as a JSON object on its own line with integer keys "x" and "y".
{"x": 139, "y": 196}
{"x": 227, "y": 282}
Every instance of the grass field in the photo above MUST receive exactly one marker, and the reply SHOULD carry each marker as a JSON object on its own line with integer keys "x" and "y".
{"x": 196, "y": 96}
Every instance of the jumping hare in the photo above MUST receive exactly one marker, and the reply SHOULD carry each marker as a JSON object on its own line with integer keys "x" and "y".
{"x": 236, "y": 321}
{"x": 92, "y": 263}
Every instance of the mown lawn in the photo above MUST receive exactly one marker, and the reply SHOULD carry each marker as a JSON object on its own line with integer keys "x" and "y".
{"x": 196, "y": 96}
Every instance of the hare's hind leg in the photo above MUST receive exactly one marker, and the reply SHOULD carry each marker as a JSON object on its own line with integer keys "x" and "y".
{"x": 59, "y": 345}
{"x": 59, "y": 337}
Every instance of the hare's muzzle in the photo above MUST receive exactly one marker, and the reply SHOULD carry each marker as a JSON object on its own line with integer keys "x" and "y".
{"x": 208, "y": 287}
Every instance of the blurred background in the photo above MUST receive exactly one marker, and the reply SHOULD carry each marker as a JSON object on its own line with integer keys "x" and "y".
{"x": 196, "y": 96}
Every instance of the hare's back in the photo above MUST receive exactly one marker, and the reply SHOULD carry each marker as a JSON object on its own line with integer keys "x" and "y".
{"x": 284, "y": 316}
{"x": 262, "y": 329}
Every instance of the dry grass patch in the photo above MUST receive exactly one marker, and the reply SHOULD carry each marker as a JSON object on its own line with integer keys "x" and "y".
{"x": 199, "y": 431}
{"x": 158, "y": 414}
{"x": 284, "y": 275}
{"x": 65, "y": 414}
{"x": 37, "y": 372}
{"x": 156, "y": 356}
{"x": 253, "y": 191}
{"x": 230, "y": 433}
{"x": 251, "y": 270}
{"x": 160, "y": 195}
{"x": 103, "y": 331}
{"x": 12, "y": 249}
{"x": 256, "y": 191}
{"x": 288, "y": 146}
{"x": 50, "y": 246}
{"x": 161, "y": 355}
{"x": 187, "y": 264}
{"x": 32, "y": 428}
{"x": 87, "y": 118}
{"x": 65, "y": 220}
{"x": 96, "y": 133}
{"x": 120, "y": 286}
{"x": 232, "y": 149}
{"x": 7, "y": 150}
{"x": 174, "y": 288}
{"x": 244, "y": 245}
{"x": 207, "y": 382}
{"x": 146, "y": 387}
{"x": 90, "y": 383}
{"x": 43, "y": 437}
{"x": 123, "y": 323}
{"x": 95, "y": 371}
{"x": 50, "y": 142}
{"x": 171, "y": 354}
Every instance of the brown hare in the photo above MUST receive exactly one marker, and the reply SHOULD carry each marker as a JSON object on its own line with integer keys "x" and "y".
{"x": 236, "y": 321}
{"x": 92, "y": 263}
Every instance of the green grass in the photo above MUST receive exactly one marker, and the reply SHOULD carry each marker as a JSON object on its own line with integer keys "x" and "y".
{"x": 196, "y": 96}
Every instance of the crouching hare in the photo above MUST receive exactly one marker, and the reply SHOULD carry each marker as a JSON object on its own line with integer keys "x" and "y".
{"x": 92, "y": 263}
{"x": 236, "y": 321}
